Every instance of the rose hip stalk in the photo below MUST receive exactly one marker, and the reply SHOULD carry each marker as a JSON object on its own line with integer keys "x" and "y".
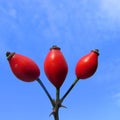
{"x": 26, "y": 70}
{"x": 23, "y": 67}
{"x": 85, "y": 68}
{"x": 56, "y": 69}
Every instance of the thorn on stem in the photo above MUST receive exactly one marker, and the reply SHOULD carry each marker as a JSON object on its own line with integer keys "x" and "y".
{"x": 63, "y": 106}
{"x": 53, "y": 112}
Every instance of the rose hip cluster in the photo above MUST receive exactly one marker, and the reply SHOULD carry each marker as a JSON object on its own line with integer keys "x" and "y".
{"x": 55, "y": 66}
{"x": 56, "y": 69}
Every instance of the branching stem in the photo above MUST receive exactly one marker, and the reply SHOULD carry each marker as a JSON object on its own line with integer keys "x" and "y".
{"x": 68, "y": 91}
{"x": 46, "y": 91}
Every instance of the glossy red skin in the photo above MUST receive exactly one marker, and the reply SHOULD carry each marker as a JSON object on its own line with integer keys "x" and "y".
{"x": 24, "y": 68}
{"x": 55, "y": 67}
{"x": 87, "y": 65}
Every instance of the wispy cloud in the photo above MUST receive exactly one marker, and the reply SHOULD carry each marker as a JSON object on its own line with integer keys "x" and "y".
{"x": 117, "y": 95}
{"x": 9, "y": 10}
{"x": 12, "y": 12}
{"x": 58, "y": 21}
{"x": 111, "y": 8}
{"x": 116, "y": 98}
{"x": 110, "y": 70}
{"x": 110, "y": 76}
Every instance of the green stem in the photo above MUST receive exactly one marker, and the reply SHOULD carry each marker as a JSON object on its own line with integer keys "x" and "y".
{"x": 71, "y": 87}
{"x": 57, "y": 105}
{"x": 46, "y": 91}
{"x": 57, "y": 94}
{"x": 56, "y": 115}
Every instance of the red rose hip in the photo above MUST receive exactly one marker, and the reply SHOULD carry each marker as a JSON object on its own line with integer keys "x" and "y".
{"x": 55, "y": 67}
{"x": 87, "y": 65}
{"x": 23, "y": 67}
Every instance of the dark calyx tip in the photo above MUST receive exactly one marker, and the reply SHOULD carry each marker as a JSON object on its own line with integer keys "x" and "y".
{"x": 55, "y": 47}
{"x": 96, "y": 51}
{"x": 9, "y": 55}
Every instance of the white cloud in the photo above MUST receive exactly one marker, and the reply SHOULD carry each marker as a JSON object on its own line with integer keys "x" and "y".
{"x": 109, "y": 71}
{"x": 12, "y": 12}
{"x": 111, "y": 8}
{"x": 117, "y": 95}
{"x": 116, "y": 98}
{"x": 110, "y": 76}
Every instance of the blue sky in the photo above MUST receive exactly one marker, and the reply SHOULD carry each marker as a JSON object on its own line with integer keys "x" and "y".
{"x": 31, "y": 27}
